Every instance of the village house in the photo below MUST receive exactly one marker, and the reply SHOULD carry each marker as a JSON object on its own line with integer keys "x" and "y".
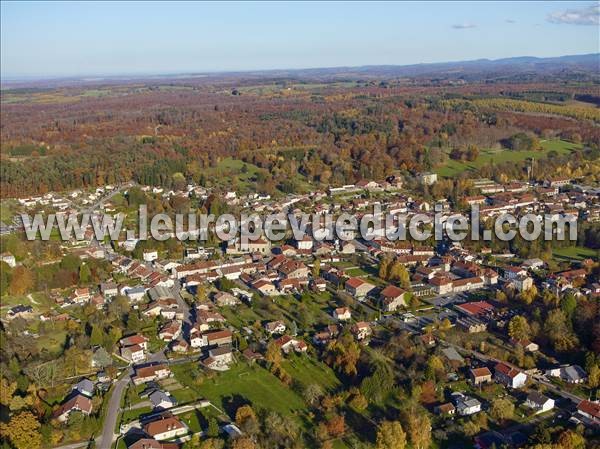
{"x": 170, "y": 331}
{"x": 197, "y": 338}
{"x": 134, "y": 294}
{"x": 522, "y": 283}
{"x": 538, "y": 402}
{"x": 573, "y": 374}
{"x": 161, "y": 400}
{"x": 133, "y": 353}
{"x": 223, "y": 299}
{"x": 342, "y": 314}
{"x": 318, "y": 284}
{"x": 361, "y": 330}
{"x": 393, "y": 297}
{"x": 293, "y": 269}
{"x": 150, "y": 255}
{"x": 466, "y": 405}
{"x": 275, "y": 327}
{"x": 358, "y": 288}
{"x": 446, "y": 409}
{"x": 427, "y": 178}
{"x": 85, "y": 387}
{"x": 80, "y": 296}
{"x": 180, "y": 345}
{"x": 512, "y": 272}
{"x": 442, "y": 285}
{"x": 217, "y": 338}
{"x": 166, "y": 428}
{"x": 325, "y": 336}
{"x": 9, "y": 259}
{"x": 136, "y": 339}
{"x": 527, "y": 345}
{"x": 150, "y": 373}
{"x": 78, "y": 403}
{"x": 509, "y": 377}
{"x": 590, "y": 410}
{"x": 480, "y": 376}
{"x": 219, "y": 358}
{"x": 133, "y": 348}
{"x": 305, "y": 243}
{"x": 471, "y": 325}
{"x": 288, "y": 344}
{"x": 266, "y": 288}
{"x": 20, "y": 311}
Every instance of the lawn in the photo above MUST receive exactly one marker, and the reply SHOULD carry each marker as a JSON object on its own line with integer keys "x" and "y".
{"x": 574, "y": 253}
{"x": 498, "y": 156}
{"x": 133, "y": 414}
{"x": 308, "y": 370}
{"x": 243, "y": 384}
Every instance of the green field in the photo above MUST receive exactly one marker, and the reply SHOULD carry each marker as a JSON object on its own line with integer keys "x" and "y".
{"x": 498, "y": 156}
{"x": 308, "y": 370}
{"x": 574, "y": 253}
{"x": 251, "y": 384}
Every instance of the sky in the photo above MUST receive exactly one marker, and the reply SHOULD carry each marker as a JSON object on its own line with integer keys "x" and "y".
{"x": 42, "y": 39}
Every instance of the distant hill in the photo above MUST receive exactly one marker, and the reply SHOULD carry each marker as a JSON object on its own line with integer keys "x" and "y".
{"x": 521, "y": 67}
{"x": 589, "y": 63}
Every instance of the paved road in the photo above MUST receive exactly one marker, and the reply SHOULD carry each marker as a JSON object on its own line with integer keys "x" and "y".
{"x": 185, "y": 308}
{"x": 106, "y": 438}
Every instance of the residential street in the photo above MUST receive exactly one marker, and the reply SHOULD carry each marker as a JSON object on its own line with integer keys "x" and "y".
{"x": 106, "y": 438}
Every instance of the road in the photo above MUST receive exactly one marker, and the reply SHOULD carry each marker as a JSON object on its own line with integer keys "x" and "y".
{"x": 106, "y": 438}
{"x": 185, "y": 308}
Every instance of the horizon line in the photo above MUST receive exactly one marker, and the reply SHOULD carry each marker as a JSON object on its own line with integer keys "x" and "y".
{"x": 10, "y": 78}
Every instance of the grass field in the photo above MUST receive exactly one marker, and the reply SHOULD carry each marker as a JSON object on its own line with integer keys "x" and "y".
{"x": 251, "y": 384}
{"x": 308, "y": 370}
{"x": 574, "y": 253}
{"x": 498, "y": 156}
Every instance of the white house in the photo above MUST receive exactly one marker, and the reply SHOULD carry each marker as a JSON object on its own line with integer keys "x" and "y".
{"x": 150, "y": 255}
{"x": 342, "y": 314}
{"x": 466, "y": 405}
{"x": 510, "y": 377}
{"x": 9, "y": 259}
{"x": 539, "y": 402}
{"x": 162, "y": 400}
{"x": 166, "y": 428}
{"x": 275, "y": 327}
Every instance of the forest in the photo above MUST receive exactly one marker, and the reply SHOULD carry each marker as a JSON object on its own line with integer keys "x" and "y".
{"x": 323, "y": 133}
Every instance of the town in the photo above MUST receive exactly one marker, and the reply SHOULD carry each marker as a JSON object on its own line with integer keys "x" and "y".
{"x": 194, "y": 321}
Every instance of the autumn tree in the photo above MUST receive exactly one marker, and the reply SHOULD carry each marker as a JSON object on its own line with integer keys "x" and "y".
{"x": 246, "y": 420}
{"x": 23, "y": 431}
{"x": 21, "y": 281}
{"x": 419, "y": 430}
{"x": 336, "y": 426}
{"x": 399, "y": 273}
{"x": 316, "y": 269}
{"x": 390, "y": 435}
{"x": 518, "y": 328}
{"x": 502, "y": 409}
{"x": 243, "y": 443}
{"x": 558, "y": 331}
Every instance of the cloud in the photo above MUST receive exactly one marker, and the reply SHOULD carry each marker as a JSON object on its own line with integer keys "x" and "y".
{"x": 585, "y": 16}
{"x": 464, "y": 26}
{"x": 510, "y": 21}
